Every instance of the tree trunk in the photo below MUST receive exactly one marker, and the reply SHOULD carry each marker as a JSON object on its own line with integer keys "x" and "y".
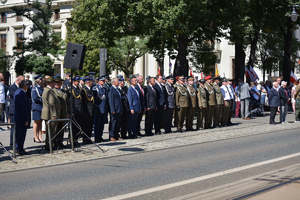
{"x": 287, "y": 51}
{"x": 253, "y": 47}
{"x": 239, "y": 63}
{"x": 182, "y": 65}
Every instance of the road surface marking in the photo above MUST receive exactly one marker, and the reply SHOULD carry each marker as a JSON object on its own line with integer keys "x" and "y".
{"x": 197, "y": 179}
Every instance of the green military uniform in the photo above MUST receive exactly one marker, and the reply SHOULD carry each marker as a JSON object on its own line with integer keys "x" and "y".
{"x": 297, "y": 99}
{"x": 51, "y": 110}
{"x": 202, "y": 104}
{"x": 219, "y": 112}
{"x": 211, "y": 105}
{"x": 192, "y": 107}
{"x": 62, "y": 97}
{"x": 182, "y": 103}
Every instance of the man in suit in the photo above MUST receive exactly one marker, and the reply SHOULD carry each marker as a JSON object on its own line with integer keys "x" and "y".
{"x": 100, "y": 117}
{"x": 227, "y": 102}
{"x": 182, "y": 103}
{"x": 88, "y": 109}
{"x": 211, "y": 102}
{"x": 140, "y": 88}
{"x": 202, "y": 104}
{"x": 244, "y": 95}
{"x": 135, "y": 107}
{"x": 125, "y": 114}
{"x": 192, "y": 103}
{"x": 11, "y": 93}
{"x": 116, "y": 109}
{"x": 63, "y": 106}
{"x": 51, "y": 110}
{"x": 284, "y": 99}
{"x": 170, "y": 103}
{"x": 161, "y": 104}
{"x": 151, "y": 106}
{"x": 274, "y": 101}
{"x": 21, "y": 115}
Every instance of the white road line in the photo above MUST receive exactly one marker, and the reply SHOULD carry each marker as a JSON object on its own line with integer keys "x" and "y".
{"x": 197, "y": 179}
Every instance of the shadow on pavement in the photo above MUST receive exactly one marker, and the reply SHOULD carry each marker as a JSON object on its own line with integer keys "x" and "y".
{"x": 133, "y": 149}
{"x": 278, "y": 183}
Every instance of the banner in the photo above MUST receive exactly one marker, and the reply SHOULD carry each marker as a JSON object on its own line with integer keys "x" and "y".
{"x": 251, "y": 74}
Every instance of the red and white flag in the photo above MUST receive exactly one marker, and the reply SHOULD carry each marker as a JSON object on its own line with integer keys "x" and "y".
{"x": 293, "y": 77}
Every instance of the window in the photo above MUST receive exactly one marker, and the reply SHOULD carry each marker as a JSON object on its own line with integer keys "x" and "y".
{"x": 56, "y": 15}
{"x": 20, "y": 40}
{"x": 19, "y": 18}
{"x": 3, "y": 18}
{"x": 3, "y": 42}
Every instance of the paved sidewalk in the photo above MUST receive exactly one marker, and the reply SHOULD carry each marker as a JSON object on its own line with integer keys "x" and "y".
{"x": 38, "y": 158}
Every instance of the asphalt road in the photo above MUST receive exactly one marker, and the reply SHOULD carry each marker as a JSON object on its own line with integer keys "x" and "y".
{"x": 104, "y": 178}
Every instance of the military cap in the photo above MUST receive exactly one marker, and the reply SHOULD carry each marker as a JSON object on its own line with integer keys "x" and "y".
{"x": 102, "y": 78}
{"x": 207, "y": 78}
{"x": 76, "y": 78}
{"x": 37, "y": 77}
{"x": 164, "y": 78}
{"x": 169, "y": 77}
{"x": 202, "y": 81}
{"x": 88, "y": 78}
{"x": 217, "y": 78}
{"x": 225, "y": 80}
{"x": 132, "y": 76}
{"x": 48, "y": 79}
{"x": 190, "y": 78}
{"x": 57, "y": 78}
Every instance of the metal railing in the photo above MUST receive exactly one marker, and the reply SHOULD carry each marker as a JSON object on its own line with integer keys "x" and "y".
{"x": 13, "y": 128}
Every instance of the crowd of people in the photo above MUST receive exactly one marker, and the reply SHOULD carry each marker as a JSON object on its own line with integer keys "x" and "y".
{"x": 165, "y": 102}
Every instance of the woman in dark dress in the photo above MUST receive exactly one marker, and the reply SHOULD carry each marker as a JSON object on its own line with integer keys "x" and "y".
{"x": 37, "y": 105}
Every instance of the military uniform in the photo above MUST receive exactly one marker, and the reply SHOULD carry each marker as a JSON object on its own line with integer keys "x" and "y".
{"x": 88, "y": 113}
{"x": 182, "y": 103}
{"x": 192, "y": 106}
{"x": 63, "y": 104}
{"x": 202, "y": 104}
{"x": 51, "y": 110}
{"x": 219, "y": 112}
{"x": 211, "y": 105}
{"x": 297, "y": 99}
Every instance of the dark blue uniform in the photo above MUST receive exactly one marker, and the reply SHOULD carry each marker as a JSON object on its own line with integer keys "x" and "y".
{"x": 116, "y": 109}
{"x": 134, "y": 104}
{"x": 37, "y": 102}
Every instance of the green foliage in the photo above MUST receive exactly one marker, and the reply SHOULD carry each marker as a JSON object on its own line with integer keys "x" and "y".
{"x": 34, "y": 63}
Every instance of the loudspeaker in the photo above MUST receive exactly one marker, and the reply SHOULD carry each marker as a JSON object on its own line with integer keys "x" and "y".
{"x": 75, "y": 56}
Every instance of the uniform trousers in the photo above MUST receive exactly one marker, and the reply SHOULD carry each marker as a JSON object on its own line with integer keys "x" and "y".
{"x": 297, "y": 109}
{"x": 123, "y": 125}
{"x": 99, "y": 121}
{"x": 190, "y": 117}
{"x": 210, "y": 116}
{"x": 114, "y": 125}
{"x": 182, "y": 117}
{"x": 20, "y": 135}
{"x": 168, "y": 119}
{"x": 227, "y": 112}
{"x": 132, "y": 128}
{"x": 158, "y": 119}
{"x": 201, "y": 117}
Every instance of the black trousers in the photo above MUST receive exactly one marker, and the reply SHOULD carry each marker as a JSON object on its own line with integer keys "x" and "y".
{"x": 149, "y": 121}
{"x": 132, "y": 128}
{"x": 21, "y": 130}
{"x": 123, "y": 125}
{"x": 168, "y": 117}
{"x": 158, "y": 119}
{"x": 273, "y": 114}
{"x": 140, "y": 117}
{"x": 99, "y": 121}
{"x": 114, "y": 125}
{"x": 87, "y": 127}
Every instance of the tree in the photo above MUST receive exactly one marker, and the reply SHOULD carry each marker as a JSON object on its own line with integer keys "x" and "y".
{"x": 4, "y": 61}
{"x": 174, "y": 25}
{"x": 45, "y": 41}
{"x": 124, "y": 54}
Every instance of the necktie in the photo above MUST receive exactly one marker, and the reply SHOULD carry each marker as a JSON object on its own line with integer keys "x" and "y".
{"x": 141, "y": 89}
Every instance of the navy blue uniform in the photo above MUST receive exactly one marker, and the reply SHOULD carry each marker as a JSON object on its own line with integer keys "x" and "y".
{"x": 134, "y": 104}
{"x": 116, "y": 109}
{"x": 37, "y": 102}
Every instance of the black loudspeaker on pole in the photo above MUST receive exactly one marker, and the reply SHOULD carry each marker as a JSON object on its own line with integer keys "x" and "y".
{"x": 75, "y": 56}
{"x": 103, "y": 58}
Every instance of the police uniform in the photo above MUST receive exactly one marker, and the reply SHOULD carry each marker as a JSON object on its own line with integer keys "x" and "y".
{"x": 182, "y": 103}
{"x": 192, "y": 106}
{"x": 202, "y": 104}
{"x": 211, "y": 103}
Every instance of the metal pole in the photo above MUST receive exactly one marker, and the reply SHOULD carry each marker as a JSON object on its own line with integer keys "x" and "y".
{"x": 14, "y": 139}
{"x": 49, "y": 137}
{"x": 71, "y": 134}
